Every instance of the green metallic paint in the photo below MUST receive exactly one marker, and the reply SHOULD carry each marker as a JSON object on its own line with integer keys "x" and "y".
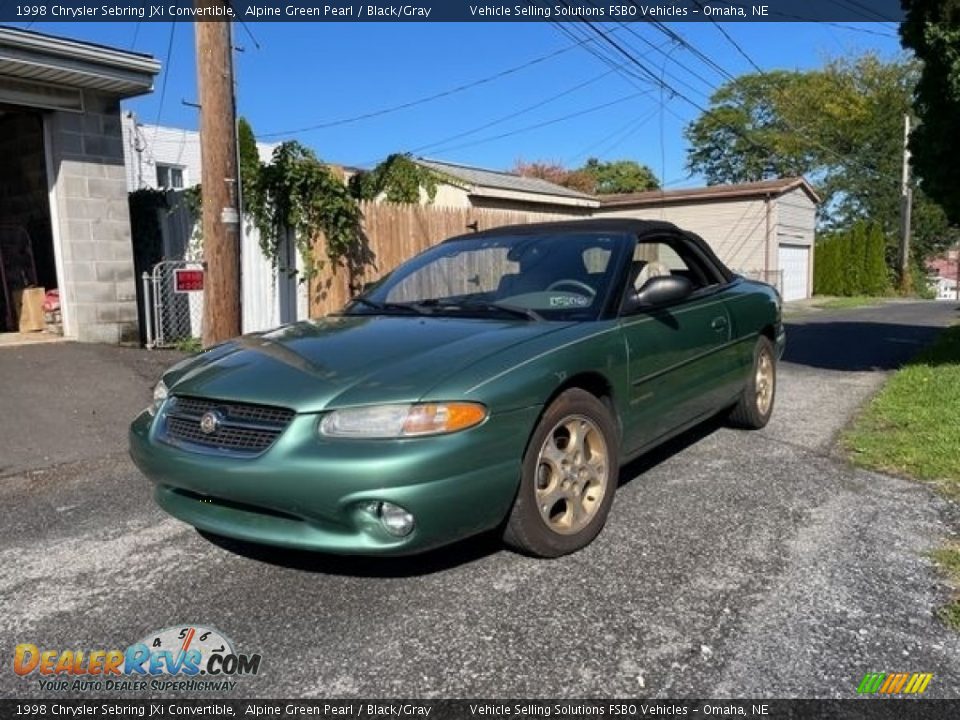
{"x": 663, "y": 368}
{"x": 455, "y": 485}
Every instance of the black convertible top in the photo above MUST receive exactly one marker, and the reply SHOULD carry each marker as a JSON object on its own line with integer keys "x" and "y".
{"x": 628, "y": 226}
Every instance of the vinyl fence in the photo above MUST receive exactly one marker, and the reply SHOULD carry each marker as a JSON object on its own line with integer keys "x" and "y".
{"x": 395, "y": 233}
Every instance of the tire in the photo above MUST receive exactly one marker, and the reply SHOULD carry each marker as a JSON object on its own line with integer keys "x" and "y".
{"x": 755, "y": 406}
{"x": 566, "y": 486}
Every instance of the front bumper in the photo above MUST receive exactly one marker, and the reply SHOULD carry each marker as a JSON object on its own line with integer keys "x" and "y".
{"x": 781, "y": 344}
{"x": 311, "y": 493}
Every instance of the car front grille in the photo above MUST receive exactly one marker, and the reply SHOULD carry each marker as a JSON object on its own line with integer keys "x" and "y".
{"x": 241, "y": 428}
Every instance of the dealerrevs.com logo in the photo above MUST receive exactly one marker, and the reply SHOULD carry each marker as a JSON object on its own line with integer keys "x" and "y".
{"x": 183, "y": 657}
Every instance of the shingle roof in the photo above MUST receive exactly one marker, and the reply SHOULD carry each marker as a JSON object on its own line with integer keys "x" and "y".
{"x": 712, "y": 192}
{"x": 483, "y": 178}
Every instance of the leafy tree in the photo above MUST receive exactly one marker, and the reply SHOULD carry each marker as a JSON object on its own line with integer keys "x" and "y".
{"x": 841, "y": 125}
{"x": 399, "y": 179}
{"x": 932, "y": 29}
{"x": 555, "y": 173}
{"x": 595, "y": 177}
{"x": 851, "y": 262}
{"x": 745, "y": 135}
{"x": 876, "y": 273}
{"x": 619, "y": 176}
{"x": 249, "y": 160}
{"x": 856, "y": 242}
{"x": 300, "y": 194}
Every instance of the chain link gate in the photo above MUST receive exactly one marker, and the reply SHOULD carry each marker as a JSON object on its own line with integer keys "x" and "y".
{"x": 174, "y": 310}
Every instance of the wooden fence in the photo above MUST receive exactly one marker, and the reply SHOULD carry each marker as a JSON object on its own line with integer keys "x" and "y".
{"x": 395, "y": 233}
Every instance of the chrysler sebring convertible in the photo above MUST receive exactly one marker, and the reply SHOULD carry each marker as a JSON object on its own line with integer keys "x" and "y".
{"x": 496, "y": 381}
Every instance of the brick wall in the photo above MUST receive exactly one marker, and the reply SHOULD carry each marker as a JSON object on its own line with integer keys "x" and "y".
{"x": 98, "y": 284}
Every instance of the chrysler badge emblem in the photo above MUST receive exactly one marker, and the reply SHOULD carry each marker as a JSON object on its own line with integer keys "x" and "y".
{"x": 210, "y": 422}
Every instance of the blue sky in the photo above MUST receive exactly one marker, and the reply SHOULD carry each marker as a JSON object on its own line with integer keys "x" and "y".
{"x": 311, "y": 73}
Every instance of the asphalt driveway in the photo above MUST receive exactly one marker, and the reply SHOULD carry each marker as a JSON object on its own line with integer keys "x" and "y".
{"x": 733, "y": 563}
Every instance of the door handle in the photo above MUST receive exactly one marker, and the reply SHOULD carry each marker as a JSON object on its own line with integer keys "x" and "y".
{"x": 719, "y": 324}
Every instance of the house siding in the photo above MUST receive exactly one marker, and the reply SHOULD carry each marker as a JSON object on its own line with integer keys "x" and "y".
{"x": 735, "y": 229}
{"x": 146, "y": 145}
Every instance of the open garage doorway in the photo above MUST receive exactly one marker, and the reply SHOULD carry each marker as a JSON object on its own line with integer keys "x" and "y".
{"x": 27, "y": 257}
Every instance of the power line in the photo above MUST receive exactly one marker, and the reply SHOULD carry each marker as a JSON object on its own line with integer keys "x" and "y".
{"x": 136, "y": 33}
{"x": 618, "y": 136}
{"x": 738, "y": 131}
{"x": 666, "y": 55}
{"x": 426, "y": 99}
{"x": 546, "y": 123}
{"x": 166, "y": 76}
{"x": 253, "y": 39}
{"x": 736, "y": 45}
{"x": 514, "y": 114}
{"x": 702, "y": 56}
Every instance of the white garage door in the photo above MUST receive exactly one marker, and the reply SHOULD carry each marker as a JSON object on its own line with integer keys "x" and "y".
{"x": 795, "y": 269}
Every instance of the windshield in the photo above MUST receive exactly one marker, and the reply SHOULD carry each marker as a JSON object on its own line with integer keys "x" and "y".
{"x": 552, "y": 276}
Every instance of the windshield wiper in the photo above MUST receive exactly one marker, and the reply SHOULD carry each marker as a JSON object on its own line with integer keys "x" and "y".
{"x": 387, "y": 307}
{"x": 481, "y": 306}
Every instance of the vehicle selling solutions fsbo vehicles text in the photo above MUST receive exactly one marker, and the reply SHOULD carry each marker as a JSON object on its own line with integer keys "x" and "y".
{"x": 621, "y": 10}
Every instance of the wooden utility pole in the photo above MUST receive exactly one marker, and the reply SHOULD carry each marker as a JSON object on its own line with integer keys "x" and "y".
{"x": 220, "y": 178}
{"x": 906, "y": 208}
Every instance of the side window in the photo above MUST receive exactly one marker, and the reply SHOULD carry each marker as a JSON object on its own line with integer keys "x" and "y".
{"x": 653, "y": 258}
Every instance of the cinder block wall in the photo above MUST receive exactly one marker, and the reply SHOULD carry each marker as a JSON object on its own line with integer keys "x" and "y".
{"x": 92, "y": 216}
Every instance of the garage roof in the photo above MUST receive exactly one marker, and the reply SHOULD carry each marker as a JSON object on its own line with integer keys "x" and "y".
{"x": 496, "y": 183}
{"x": 69, "y": 63}
{"x": 763, "y": 188}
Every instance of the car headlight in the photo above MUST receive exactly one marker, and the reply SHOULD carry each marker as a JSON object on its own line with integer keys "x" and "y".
{"x": 394, "y": 421}
{"x": 159, "y": 395}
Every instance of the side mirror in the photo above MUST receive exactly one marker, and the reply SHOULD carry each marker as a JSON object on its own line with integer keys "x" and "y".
{"x": 661, "y": 290}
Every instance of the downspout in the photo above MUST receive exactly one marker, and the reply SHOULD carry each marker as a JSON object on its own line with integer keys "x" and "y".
{"x": 766, "y": 241}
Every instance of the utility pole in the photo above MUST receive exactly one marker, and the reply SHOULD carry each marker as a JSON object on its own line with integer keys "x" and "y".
{"x": 957, "y": 276}
{"x": 220, "y": 178}
{"x": 906, "y": 209}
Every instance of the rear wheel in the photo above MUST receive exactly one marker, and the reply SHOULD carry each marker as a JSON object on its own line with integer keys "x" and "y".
{"x": 569, "y": 476}
{"x": 755, "y": 406}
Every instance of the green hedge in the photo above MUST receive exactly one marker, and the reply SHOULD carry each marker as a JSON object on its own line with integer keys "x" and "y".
{"x": 852, "y": 263}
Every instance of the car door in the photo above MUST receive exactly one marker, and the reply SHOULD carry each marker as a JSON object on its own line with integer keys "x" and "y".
{"x": 680, "y": 357}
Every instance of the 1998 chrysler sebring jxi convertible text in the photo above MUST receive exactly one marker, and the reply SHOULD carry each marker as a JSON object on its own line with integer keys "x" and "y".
{"x": 497, "y": 380}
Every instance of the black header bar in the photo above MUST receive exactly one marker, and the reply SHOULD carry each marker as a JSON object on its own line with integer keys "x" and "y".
{"x": 721, "y": 11}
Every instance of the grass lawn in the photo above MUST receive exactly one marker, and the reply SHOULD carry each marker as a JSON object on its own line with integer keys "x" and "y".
{"x": 843, "y": 303}
{"x": 912, "y": 428}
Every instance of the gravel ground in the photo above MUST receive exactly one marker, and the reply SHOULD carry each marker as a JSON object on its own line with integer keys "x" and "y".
{"x": 734, "y": 564}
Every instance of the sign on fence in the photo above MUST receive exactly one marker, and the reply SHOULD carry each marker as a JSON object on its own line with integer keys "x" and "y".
{"x": 187, "y": 280}
{"x": 173, "y": 293}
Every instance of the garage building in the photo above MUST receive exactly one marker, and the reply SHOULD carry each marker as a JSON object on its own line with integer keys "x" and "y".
{"x": 64, "y": 219}
{"x": 763, "y": 230}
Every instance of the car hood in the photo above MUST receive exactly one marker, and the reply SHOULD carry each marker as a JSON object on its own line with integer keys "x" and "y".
{"x": 347, "y": 360}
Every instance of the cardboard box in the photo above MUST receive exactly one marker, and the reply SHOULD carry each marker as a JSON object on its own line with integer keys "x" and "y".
{"x": 28, "y": 303}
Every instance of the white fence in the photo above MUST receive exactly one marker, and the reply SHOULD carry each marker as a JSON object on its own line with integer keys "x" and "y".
{"x": 271, "y": 295}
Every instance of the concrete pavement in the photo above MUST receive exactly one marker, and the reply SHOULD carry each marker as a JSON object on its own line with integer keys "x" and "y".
{"x": 733, "y": 563}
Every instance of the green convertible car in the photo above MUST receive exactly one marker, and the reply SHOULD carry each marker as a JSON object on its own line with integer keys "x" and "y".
{"x": 497, "y": 380}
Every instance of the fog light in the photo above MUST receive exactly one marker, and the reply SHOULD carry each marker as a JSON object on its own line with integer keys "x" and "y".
{"x": 395, "y": 520}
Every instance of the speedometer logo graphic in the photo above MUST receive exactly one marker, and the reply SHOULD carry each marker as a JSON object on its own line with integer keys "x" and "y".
{"x": 181, "y": 639}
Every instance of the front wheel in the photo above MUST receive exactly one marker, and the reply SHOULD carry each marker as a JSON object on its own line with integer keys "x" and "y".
{"x": 569, "y": 476}
{"x": 755, "y": 406}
